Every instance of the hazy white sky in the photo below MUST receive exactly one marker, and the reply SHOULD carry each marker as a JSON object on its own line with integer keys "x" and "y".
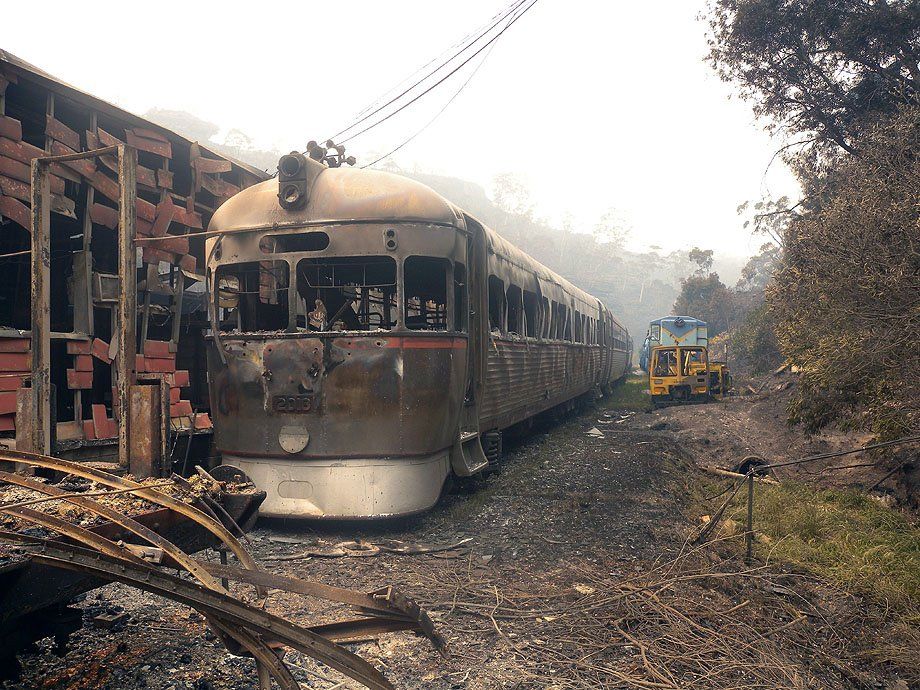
{"x": 593, "y": 104}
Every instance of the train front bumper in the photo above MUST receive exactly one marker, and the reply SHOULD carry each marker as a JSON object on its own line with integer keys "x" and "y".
{"x": 346, "y": 488}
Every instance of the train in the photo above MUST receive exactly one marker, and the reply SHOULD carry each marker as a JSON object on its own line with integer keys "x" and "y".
{"x": 370, "y": 339}
{"x": 676, "y": 356}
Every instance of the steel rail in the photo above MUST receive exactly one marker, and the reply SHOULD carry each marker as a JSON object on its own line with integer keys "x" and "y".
{"x": 226, "y": 608}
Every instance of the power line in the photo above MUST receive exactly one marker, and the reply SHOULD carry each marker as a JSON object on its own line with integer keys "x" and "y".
{"x": 444, "y": 78}
{"x": 504, "y": 15}
{"x": 438, "y": 114}
{"x": 478, "y": 32}
{"x": 465, "y": 43}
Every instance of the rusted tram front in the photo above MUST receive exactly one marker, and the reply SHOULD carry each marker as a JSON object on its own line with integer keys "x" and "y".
{"x": 339, "y": 355}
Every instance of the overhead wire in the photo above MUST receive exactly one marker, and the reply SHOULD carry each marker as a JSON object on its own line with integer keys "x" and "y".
{"x": 445, "y": 77}
{"x": 438, "y": 114}
{"x": 478, "y": 32}
{"x": 465, "y": 45}
{"x": 405, "y": 105}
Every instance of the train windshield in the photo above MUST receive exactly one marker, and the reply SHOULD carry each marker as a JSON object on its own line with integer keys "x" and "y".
{"x": 253, "y": 296}
{"x": 692, "y": 361}
{"x": 342, "y": 293}
{"x": 665, "y": 363}
{"x": 346, "y": 293}
{"x": 426, "y": 288}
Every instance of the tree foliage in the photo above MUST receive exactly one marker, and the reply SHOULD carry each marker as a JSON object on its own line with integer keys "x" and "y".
{"x": 847, "y": 298}
{"x": 819, "y": 68}
{"x": 759, "y": 269}
{"x": 753, "y": 342}
{"x": 706, "y": 297}
{"x": 703, "y": 260}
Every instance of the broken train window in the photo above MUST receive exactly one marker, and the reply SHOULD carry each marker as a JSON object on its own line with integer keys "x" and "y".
{"x": 346, "y": 293}
{"x": 253, "y": 296}
{"x": 426, "y": 293}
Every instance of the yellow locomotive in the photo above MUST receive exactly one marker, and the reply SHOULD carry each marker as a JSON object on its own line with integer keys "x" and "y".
{"x": 676, "y": 356}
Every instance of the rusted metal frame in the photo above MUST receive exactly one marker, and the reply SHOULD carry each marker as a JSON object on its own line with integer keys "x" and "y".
{"x": 178, "y": 555}
{"x": 123, "y": 555}
{"x": 268, "y": 663}
{"x": 211, "y": 507}
{"x": 145, "y": 312}
{"x": 222, "y": 606}
{"x": 361, "y": 628}
{"x": 75, "y": 532}
{"x": 410, "y": 609}
{"x": 296, "y": 585}
{"x": 49, "y": 113}
{"x": 152, "y": 495}
{"x": 127, "y": 304}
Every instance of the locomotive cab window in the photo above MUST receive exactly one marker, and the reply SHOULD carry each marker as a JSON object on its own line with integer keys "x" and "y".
{"x": 426, "y": 293}
{"x": 253, "y": 296}
{"x": 345, "y": 293}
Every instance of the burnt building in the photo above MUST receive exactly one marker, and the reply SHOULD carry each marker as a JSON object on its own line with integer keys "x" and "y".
{"x": 179, "y": 184}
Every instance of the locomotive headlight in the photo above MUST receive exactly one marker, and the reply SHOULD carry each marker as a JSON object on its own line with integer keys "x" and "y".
{"x": 290, "y": 195}
{"x": 292, "y": 180}
{"x": 290, "y": 164}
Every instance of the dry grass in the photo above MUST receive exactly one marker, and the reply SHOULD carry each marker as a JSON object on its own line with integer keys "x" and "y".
{"x": 631, "y": 394}
{"x": 853, "y": 543}
{"x": 695, "y": 622}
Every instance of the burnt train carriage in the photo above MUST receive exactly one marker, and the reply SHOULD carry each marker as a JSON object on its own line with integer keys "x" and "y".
{"x": 367, "y": 336}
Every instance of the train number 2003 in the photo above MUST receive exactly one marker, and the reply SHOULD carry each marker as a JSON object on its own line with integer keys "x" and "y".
{"x": 292, "y": 403}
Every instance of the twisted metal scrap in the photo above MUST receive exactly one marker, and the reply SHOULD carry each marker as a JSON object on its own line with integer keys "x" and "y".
{"x": 239, "y": 625}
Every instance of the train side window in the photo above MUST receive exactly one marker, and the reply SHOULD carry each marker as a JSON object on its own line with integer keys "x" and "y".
{"x": 496, "y": 304}
{"x": 565, "y": 322}
{"x": 579, "y": 327}
{"x": 515, "y": 310}
{"x": 426, "y": 293}
{"x": 531, "y": 314}
{"x": 253, "y": 296}
{"x": 346, "y": 293}
{"x": 547, "y": 319}
{"x": 461, "y": 308}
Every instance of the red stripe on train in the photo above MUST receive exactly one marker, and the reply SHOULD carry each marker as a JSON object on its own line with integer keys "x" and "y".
{"x": 427, "y": 343}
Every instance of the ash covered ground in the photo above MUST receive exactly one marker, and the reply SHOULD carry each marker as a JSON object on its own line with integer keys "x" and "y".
{"x": 577, "y": 573}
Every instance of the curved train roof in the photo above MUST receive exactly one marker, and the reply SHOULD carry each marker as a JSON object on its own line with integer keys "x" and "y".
{"x": 339, "y": 195}
{"x": 345, "y": 194}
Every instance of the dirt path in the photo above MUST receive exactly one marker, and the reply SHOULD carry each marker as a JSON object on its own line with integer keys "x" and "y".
{"x": 568, "y": 582}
